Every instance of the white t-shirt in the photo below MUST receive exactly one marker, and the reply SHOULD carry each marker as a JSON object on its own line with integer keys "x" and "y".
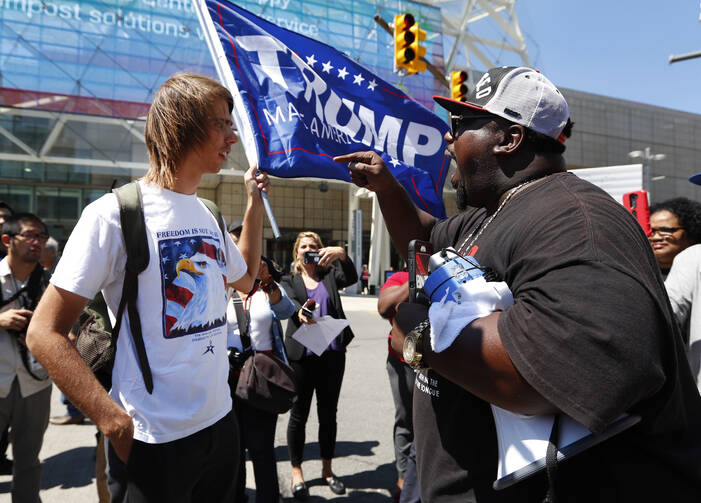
{"x": 181, "y": 304}
{"x": 683, "y": 286}
{"x": 261, "y": 331}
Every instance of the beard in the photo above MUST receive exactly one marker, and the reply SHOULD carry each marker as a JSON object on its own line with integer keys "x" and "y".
{"x": 461, "y": 199}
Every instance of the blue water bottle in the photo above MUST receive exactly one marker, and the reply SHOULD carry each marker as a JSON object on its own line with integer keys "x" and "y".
{"x": 449, "y": 270}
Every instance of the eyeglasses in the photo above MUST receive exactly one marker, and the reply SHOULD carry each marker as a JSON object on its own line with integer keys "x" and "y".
{"x": 664, "y": 232}
{"x": 30, "y": 236}
{"x": 225, "y": 125}
{"x": 456, "y": 120}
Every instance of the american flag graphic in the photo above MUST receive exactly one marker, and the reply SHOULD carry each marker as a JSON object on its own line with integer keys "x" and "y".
{"x": 194, "y": 285}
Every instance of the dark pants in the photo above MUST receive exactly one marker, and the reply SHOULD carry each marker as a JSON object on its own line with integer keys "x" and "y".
{"x": 200, "y": 467}
{"x": 323, "y": 374}
{"x": 71, "y": 409}
{"x": 411, "y": 492}
{"x": 257, "y": 429}
{"x": 401, "y": 382}
{"x": 4, "y": 442}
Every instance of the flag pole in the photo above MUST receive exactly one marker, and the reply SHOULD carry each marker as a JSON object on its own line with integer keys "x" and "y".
{"x": 227, "y": 79}
{"x": 271, "y": 216}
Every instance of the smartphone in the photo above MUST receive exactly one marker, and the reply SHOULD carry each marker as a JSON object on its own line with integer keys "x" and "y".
{"x": 308, "y": 308}
{"x": 419, "y": 256}
{"x": 637, "y": 203}
{"x": 311, "y": 257}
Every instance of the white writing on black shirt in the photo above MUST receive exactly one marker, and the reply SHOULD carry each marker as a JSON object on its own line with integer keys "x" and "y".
{"x": 427, "y": 385}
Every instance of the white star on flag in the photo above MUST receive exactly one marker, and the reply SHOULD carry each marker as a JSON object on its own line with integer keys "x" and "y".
{"x": 372, "y": 85}
{"x": 326, "y": 67}
{"x": 358, "y": 79}
{"x": 342, "y": 73}
{"x": 311, "y": 60}
{"x": 394, "y": 162}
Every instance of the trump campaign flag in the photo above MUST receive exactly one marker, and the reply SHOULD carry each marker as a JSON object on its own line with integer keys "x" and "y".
{"x": 298, "y": 103}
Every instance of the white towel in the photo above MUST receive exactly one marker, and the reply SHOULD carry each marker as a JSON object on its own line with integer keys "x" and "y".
{"x": 474, "y": 299}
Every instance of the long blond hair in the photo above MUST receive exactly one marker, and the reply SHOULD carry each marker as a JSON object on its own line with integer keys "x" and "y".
{"x": 299, "y": 261}
{"x": 178, "y": 120}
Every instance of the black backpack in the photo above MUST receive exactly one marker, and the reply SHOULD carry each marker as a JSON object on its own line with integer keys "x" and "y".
{"x": 96, "y": 339}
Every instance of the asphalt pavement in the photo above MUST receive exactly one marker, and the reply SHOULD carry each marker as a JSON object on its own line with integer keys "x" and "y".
{"x": 364, "y": 451}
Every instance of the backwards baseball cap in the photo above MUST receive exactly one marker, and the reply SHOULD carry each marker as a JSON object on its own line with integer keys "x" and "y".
{"x": 518, "y": 94}
{"x": 696, "y": 179}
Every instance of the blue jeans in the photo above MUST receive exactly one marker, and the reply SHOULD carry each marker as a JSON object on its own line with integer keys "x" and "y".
{"x": 70, "y": 408}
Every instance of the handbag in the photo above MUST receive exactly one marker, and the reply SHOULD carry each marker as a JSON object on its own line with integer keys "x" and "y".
{"x": 265, "y": 382}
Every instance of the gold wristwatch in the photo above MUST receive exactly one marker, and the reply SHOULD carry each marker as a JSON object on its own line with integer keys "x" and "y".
{"x": 413, "y": 346}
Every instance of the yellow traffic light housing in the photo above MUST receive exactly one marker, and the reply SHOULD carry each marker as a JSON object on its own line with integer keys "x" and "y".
{"x": 403, "y": 38}
{"x": 458, "y": 88}
{"x": 417, "y": 65}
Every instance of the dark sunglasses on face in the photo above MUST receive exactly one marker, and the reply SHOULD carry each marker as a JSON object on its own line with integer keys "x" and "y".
{"x": 664, "y": 232}
{"x": 457, "y": 120}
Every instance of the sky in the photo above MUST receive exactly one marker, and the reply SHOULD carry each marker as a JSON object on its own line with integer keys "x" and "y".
{"x": 617, "y": 48}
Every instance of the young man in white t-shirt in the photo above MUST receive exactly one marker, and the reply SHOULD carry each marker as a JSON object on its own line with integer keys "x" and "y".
{"x": 178, "y": 443}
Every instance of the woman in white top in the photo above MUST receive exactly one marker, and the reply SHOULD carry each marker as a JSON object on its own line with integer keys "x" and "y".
{"x": 267, "y": 305}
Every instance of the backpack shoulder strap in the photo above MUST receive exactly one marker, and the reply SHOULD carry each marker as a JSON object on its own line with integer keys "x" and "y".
{"x": 242, "y": 320}
{"x": 131, "y": 216}
{"x": 214, "y": 210}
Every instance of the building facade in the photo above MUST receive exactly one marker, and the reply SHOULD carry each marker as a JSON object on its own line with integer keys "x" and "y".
{"x": 76, "y": 79}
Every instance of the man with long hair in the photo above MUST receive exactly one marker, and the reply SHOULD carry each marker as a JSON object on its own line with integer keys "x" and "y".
{"x": 177, "y": 441}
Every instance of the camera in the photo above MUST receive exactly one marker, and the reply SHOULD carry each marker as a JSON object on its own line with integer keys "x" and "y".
{"x": 311, "y": 257}
{"x": 237, "y": 359}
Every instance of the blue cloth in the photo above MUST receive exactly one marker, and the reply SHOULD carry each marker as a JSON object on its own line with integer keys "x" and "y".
{"x": 281, "y": 311}
{"x": 303, "y": 102}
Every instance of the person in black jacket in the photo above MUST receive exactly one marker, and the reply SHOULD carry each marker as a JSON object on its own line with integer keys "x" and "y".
{"x": 317, "y": 275}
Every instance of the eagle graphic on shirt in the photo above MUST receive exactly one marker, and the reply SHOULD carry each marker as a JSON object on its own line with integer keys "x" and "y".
{"x": 194, "y": 285}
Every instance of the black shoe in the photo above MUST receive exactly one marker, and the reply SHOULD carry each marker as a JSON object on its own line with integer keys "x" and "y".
{"x": 300, "y": 491}
{"x": 5, "y": 466}
{"x": 336, "y": 485}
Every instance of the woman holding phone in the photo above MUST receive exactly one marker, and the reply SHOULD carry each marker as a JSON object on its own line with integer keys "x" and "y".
{"x": 319, "y": 272}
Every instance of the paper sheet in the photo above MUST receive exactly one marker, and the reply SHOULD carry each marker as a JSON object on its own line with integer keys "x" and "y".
{"x": 319, "y": 335}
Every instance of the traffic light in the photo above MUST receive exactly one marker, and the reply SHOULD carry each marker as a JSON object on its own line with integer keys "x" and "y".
{"x": 458, "y": 88}
{"x": 407, "y": 47}
{"x": 403, "y": 38}
{"x": 417, "y": 65}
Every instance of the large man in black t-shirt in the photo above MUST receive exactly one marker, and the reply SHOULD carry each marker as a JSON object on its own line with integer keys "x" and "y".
{"x": 590, "y": 334}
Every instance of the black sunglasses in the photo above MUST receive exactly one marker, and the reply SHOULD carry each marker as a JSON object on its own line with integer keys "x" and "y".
{"x": 664, "y": 232}
{"x": 456, "y": 120}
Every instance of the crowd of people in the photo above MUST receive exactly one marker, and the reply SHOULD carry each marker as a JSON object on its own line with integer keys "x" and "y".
{"x": 596, "y": 322}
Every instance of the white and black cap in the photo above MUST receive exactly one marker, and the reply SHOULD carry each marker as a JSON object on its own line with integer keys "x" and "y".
{"x": 518, "y": 94}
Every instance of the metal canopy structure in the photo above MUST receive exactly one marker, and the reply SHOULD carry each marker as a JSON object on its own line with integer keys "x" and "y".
{"x": 473, "y": 29}
{"x": 56, "y": 138}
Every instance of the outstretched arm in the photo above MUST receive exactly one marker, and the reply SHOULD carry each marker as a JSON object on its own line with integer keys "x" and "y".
{"x": 47, "y": 339}
{"x": 404, "y": 220}
{"x": 251, "y": 240}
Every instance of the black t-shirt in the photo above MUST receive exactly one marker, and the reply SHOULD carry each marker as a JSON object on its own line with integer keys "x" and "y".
{"x": 592, "y": 331}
